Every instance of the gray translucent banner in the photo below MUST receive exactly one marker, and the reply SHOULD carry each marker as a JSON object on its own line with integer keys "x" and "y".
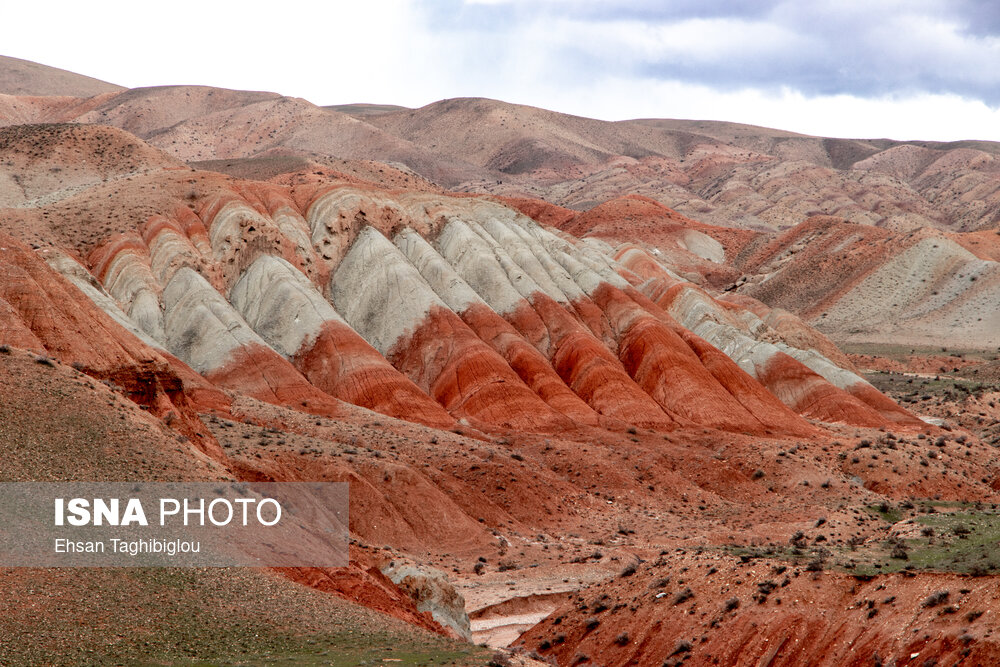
{"x": 154, "y": 524}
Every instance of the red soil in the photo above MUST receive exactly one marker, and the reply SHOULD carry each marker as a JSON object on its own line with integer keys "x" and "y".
{"x": 774, "y": 415}
{"x": 826, "y": 252}
{"x": 884, "y": 405}
{"x": 592, "y": 372}
{"x": 541, "y": 211}
{"x": 344, "y": 365}
{"x": 367, "y": 586}
{"x": 668, "y": 370}
{"x": 44, "y": 312}
{"x": 711, "y": 610}
{"x": 641, "y": 264}
{"x": 547, "y": 492}
{"x": 259, "y": 371}
{"x": 793, "y": 330}
{"x": 801, "y": 388}
{"x": 448, "y": 361}
{"x": 811, "y": 395}
{"x": 528, "y": 363}
{"x": 636, "y": 218}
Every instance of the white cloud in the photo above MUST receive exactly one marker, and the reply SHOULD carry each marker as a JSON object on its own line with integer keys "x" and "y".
{"x": 924, "y": 116}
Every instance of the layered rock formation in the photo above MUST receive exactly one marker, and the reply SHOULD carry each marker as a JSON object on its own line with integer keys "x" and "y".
{"x": 804, "y": 379}
{"x": 436, "y": 309}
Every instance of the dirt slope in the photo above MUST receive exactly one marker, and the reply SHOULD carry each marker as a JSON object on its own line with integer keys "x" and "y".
{"x": 23, "y": 77}
{"x": 705, "y": 610}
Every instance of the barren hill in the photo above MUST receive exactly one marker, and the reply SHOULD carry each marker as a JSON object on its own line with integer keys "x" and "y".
{"x": 23, "y": 77}
{"x": 49, "y": 162}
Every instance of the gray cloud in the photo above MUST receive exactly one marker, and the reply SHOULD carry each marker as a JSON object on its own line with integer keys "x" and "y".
{"x": 978, "y": 17}
{"x": 868, "y": 49}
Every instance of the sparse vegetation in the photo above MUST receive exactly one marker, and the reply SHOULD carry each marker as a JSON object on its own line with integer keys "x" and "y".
{"x": 683, "y": 596}
{"x": 682, "y": 647}
{"x": 936, "y": 599}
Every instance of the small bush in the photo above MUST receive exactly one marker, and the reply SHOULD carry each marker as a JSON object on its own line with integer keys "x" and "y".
{"x": 622, "y": 639}
{"x": 499, "y": 659}
{"x": 816, "y": 564}
{"x": 935, "y": 599}
{"x": 682, "y": 647}
{"x": 766, "y": 587}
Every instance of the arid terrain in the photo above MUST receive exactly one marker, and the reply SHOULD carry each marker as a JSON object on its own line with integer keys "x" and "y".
{"x": 639, "y": 393}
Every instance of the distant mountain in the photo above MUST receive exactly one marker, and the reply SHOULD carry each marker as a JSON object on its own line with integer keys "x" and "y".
{"x": 721, "y": 173}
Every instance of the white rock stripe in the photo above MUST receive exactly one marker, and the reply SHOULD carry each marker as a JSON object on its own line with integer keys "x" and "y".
{"x": 379, "y": 292}
{"x": 281, "y": 305}
{"x": 202, "y": 328}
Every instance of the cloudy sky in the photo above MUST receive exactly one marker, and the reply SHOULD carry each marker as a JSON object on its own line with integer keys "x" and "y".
{"x": 904, "y": 69}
